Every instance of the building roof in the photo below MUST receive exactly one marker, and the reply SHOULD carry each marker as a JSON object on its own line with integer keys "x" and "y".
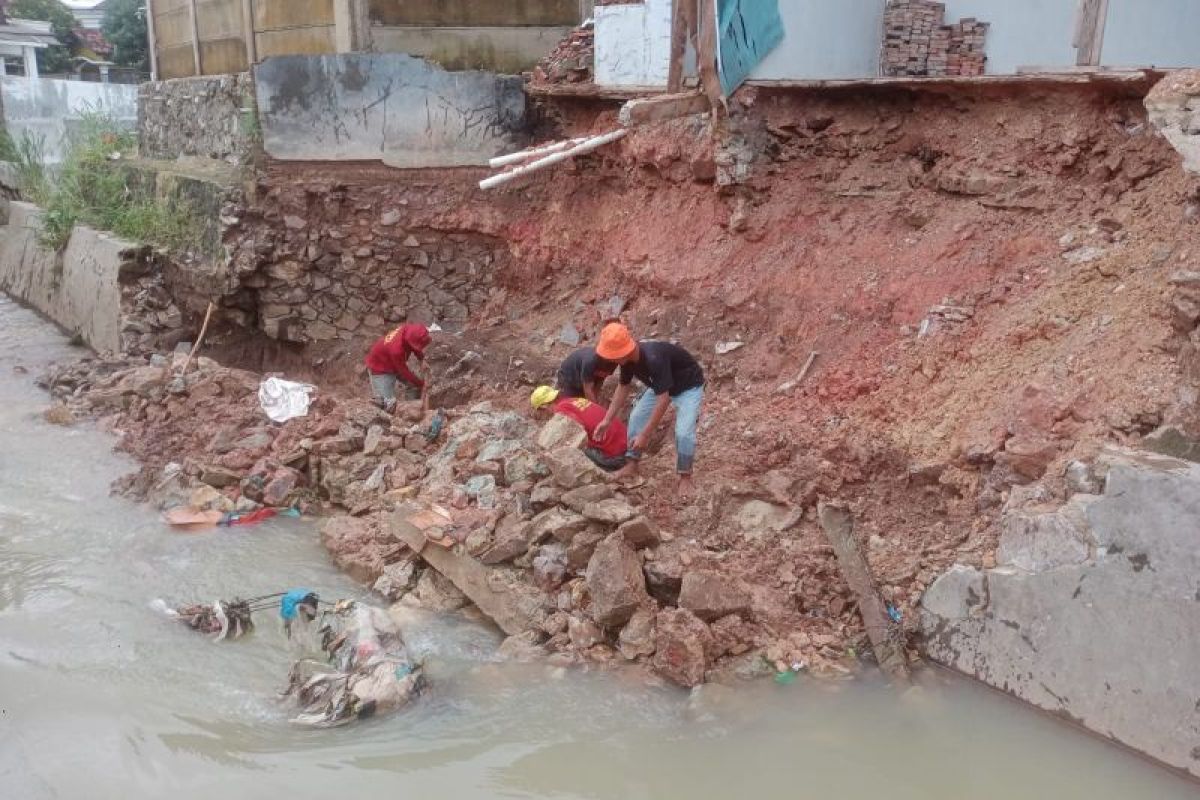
{"x": 27, "y": 33}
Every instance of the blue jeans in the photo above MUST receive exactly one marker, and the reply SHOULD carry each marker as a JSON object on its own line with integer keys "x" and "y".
{"x": 687, "y": 414}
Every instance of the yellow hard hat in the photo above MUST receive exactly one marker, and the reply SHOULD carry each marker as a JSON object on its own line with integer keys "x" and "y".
{"x": 543, "y": 396}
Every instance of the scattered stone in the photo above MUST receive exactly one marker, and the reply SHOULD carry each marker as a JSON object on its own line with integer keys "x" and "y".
{"x": 58, "y": 415}
{"x": 584, "y": 633}
{"x": 219, "y": 477}
{"x": 572, "y": 469}
{"x": 569, "y": 335}
{"x": 437, "y": 593}
{"x": 757, "y": 516}
{"x": 637, "y": 637}
{"x": 397, "y": 579}
{"x": 615, "y": 582}
{"x": 578, "y": 499}
{"x": 513, "y": 538}
{"x": 372, "y": 440}
{"x": 522, "y": 648}
{"x": 390, "y": 217}
{"x": 613, "y": 511}
{"x": 582, "y": 547}
{"x": 724, "y": 348}
{"x": 559, "y": 523}
{"x": 206, "y": 498}
{"x": 640, "y": 533}
{"x": 664, "y": 576}
{"x": 356, "y": 546}
{"x": 276, "y": 492}
{"x": 711, "y": 596}
{"x": 683, "y": 647}
{"x": 544, "y": 496}
{"x": 550, "y": 567}
{"x": 483, "y": 489}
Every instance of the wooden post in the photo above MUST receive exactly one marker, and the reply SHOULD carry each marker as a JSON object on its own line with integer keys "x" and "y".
{"x": 1089, "y": 32}
{"x": 196, "y": 61}
{"x": 885, "y": 638}
{"x": 679, "y": 39}
{"x": 248, "y": 33}
{"x": 152, "y": 40}
{"x": 351, "y": 26}
{"x": 706, "y": 52}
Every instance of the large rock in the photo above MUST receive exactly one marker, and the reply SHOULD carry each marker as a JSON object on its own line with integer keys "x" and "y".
{"x": 583, "y": 633}
{"x": 613, "y": 512}
{"x": 640, "y": 532}
{"x": 615, "y": 582}
{"x": 397, "y": 579}
{"x": 582, "y": 547}
{"x": 283, "y": 481}
{"x": 550, "y": 567}
{"x": 683, "y": 647}
{"x": 757, "y": 517}
{"x": 561, "y": 432}
{"x": 358, "y": 546}
{"x": 437, "y": 593}
{"x": 711, "y": 596}
{"x": 559, "y": 523}
{"x": 572, "y": 469}
{"x": 637, "y": 637}
{"x": 664, "y": 574}
{"x": 1174, "y": 108}
{"x": 578, "y": 499}
{"x": 513, "y": 538}
{"x": 218, "y": 476}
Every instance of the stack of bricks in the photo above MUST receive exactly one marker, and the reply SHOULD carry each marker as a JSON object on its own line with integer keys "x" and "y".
{"x": 916, "y": 42}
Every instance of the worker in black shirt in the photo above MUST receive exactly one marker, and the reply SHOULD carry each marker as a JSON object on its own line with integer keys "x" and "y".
{"x": 672, "y": 378}
{"x": 583, "y": 373}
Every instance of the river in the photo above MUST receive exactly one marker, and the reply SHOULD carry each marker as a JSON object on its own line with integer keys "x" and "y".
{"x": 101, "y": 697}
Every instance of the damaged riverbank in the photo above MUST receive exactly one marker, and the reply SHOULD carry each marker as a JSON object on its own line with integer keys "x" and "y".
{"x": 998, "y": 284}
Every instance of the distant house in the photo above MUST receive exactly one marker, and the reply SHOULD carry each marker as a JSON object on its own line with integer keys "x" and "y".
{"x": 20, "y": 39}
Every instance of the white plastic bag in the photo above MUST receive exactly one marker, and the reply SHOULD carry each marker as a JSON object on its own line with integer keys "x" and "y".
{"x": 283, "y": 400}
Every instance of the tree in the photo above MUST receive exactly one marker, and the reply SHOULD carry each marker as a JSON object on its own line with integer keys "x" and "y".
{"x": 62, "y": 25}
{"x": 124, "y": 27}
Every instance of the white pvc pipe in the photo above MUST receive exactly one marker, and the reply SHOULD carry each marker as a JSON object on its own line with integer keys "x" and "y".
{"x": 586, "y": 146}
{"x": 525, "y": 155}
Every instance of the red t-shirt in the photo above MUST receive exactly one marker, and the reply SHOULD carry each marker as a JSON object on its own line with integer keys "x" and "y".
{"x": 389, "y": 355}
{"x": 589, "y": 415}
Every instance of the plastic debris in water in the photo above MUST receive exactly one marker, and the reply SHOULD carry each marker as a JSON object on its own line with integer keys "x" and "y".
{"x": 785, "y": 678}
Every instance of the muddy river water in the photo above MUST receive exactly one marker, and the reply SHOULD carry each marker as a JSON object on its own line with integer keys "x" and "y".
{"x": 102, "y": 698}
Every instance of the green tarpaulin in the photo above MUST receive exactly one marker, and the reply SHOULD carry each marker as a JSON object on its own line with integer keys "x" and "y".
{"x": 746, "y": 31}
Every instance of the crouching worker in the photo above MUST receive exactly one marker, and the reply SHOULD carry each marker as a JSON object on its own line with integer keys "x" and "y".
{"x": 672, "y": 377}
{"x": 387, "y": 363}
{"x": 607, "y": 451}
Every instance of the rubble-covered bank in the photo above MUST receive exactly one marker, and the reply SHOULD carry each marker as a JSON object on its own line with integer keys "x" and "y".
{"x": 572, "y": 567}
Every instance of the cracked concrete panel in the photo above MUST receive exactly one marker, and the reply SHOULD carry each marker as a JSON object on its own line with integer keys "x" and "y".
{"x": 1112, "y": 642}
{"x": 1037, "y": 542}
{"x": 390, "y": 107}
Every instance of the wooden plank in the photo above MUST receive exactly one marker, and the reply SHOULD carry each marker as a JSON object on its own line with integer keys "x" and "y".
{"x": 706, "y": 51}
{"x": 224, "y": 56}
{"x": 1089, "y": 34}
{"x": 679, "y": 40}
{"x": 176, "y": 61}
{"x": 663, "y": 107}
{"x": 310, "y": 41}
{"x": 886, "y": 638}
{"x": 197, "y": 63}
{"x": 476, "y": 13}
{"x": 152, "y": 40}
{"x": 248, "y": 31}
{"x": 280, "y": 14}
{"x": 218, "y": 19}
{"x": 173, "y": 28}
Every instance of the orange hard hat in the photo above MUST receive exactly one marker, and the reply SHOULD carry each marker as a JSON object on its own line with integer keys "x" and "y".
{"x": 615, "y": 342}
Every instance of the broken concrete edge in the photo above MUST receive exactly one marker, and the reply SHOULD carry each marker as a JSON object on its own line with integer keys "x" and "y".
{"x": 1054, "y": 624}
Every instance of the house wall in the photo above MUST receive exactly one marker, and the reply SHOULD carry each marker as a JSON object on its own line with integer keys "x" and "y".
{"x": 1160, "y": 33}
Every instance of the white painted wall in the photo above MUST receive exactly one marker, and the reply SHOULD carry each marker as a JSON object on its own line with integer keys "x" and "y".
{"x": 633, "y": 44}
{"x": 826, "y": 40}
{"x": 1024, "y": 33}
{"x": 46, "y": 107}
{"x": 1160, "y": 33}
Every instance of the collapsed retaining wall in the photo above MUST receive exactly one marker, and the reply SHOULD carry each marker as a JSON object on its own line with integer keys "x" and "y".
{"x": 106, "y": 289}
{"x": 1091, "y": 612}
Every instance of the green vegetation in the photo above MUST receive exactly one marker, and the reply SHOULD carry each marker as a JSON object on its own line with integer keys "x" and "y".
{"x": 51, "y": 60}
{"x": 124, "y": 27}
{"x": 93, "y": 186}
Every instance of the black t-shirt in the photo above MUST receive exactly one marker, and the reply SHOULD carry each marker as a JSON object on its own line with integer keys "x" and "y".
{"x": 664, "y": 367}
{"x": 580, "y": 368}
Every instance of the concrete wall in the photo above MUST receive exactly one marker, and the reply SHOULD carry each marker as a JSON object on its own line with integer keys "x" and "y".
{"x": 1023, "y": 32}
{"x": 1093, "y": 611}
{"x": 1160, "y": 33}
{"x": 633, "y": 44}
{"x": 47, "y": 108}
{"x": 826, "y": 40}
{"x": 210, "y": 117}
{"x": 507, "y": 50}
{"x": 79, "y": 289}
{"x": 390, "y": 107}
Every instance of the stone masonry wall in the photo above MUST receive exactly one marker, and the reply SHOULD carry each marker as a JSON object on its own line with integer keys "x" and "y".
{"x": 316, "y": 263}
{"x": 209, "y": 117}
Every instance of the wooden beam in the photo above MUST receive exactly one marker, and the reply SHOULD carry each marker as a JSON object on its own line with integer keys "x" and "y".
{"x": 1089, "y": 32}
{"x": 248, "y": 33}
{"x": 886, "y": 639}
{"x": 196, "y": 61}
{"x": 679, "y": 40}
{"x": 706, "y": 52}
{"x": 664, "y": 107}
{"x": 152, "y": 40}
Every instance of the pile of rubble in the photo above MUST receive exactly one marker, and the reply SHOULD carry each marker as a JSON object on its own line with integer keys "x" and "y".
{"x": 490, "y": 511}
{"x": 917, "y": 43}
{"x": 571, "y": 61}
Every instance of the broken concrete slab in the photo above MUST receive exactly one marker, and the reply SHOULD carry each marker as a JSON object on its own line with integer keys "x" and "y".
{"x": 508, "y": 610}
{"x": 1111, "y": 642}
{"x": 1038, "y": 542}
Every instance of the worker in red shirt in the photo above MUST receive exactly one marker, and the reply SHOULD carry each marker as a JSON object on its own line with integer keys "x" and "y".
{"x": 608, "y": 451}
{"x": 387, "y": 363}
